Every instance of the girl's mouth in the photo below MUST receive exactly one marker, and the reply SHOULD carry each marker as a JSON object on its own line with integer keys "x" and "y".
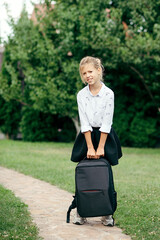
{"x": 89, "y": 79}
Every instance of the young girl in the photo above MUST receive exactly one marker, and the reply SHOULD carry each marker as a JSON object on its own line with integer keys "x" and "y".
{"x": 95, "y": 106}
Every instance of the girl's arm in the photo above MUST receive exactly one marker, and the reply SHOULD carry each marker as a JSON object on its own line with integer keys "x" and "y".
{"x": 106, "y": 123}
{"x": 102, "y": 141}
{"x": 91, "y": 153}
{"x": 85, "y": 126}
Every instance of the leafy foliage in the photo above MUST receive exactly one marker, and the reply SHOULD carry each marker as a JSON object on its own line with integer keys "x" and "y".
{"x": 40, "y": 67}
{"x": 39, "y": 126}
{"x": 10, "y": 116}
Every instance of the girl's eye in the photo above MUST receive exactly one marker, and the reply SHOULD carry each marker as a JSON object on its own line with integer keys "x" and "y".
{"x": 90, "y": 71}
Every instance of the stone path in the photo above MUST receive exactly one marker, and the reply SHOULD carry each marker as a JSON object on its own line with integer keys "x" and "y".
{"x": 48, "y": 205}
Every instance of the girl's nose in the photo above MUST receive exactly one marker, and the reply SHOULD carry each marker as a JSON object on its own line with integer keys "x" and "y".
{"x": 88, "y": 74}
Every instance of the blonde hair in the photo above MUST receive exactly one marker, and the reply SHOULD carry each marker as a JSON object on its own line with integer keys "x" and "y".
{"x": 96, "y": 63}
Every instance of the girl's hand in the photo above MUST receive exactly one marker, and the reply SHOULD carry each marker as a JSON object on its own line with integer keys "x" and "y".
{"x": 91, "y": 153}
{"x": 99, "y": 152}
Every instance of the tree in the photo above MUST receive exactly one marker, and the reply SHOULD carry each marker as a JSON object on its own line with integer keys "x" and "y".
{"x": 130, "y": 55}
{"x": 124, "y": 35}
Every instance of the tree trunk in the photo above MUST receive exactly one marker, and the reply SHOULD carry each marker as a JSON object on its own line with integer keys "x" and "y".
{"x": 7, "y": 136}
{"x": 76, "y": 124}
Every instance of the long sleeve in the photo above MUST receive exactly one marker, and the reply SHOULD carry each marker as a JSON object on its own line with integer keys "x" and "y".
{"x": 107, "y": 117}
{"x": 85, "y": 125}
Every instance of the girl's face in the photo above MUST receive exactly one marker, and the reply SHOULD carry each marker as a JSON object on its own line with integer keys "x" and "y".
{"x": 90, "y": 74}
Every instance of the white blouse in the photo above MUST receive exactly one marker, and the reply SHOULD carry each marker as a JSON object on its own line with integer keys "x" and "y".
{"x": 96, "y": 111}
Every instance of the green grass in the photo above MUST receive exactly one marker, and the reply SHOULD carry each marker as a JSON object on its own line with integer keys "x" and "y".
{"x": 15, "y": 221}
{"x": 136, "y": 179}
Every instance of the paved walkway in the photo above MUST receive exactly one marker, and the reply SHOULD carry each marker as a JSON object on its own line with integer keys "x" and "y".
{"x": 48, "y": 205}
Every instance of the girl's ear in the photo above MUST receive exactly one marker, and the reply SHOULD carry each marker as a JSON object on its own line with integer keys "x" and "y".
{"x": 99, "y": 70}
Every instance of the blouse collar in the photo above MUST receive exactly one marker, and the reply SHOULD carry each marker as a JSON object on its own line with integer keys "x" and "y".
{"x": 100, "y": 93}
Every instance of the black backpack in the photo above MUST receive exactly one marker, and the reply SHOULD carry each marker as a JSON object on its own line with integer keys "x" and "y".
{"x": 95, "y": 194}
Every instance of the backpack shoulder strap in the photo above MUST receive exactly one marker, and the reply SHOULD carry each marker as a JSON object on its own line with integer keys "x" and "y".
{"x": 72, "y": 206}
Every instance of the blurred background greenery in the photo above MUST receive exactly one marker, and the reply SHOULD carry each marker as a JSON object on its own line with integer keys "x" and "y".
{"x": 39, "y": 78}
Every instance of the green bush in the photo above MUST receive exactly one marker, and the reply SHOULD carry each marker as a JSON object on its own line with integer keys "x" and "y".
{"x": 135, "y": 130}
{"x": 39, "y": 126}
{"x": 135, "y": 121}
{"x": 10, "y": 115}
{"x": 142, "y": 131}
{"x": 121, "y": 124}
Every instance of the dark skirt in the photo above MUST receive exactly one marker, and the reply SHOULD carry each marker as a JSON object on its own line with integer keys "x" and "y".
{"x": 112, "y": 147}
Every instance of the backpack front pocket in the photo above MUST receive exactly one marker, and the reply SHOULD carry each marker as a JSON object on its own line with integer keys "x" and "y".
{"x": 92, "y": 203}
